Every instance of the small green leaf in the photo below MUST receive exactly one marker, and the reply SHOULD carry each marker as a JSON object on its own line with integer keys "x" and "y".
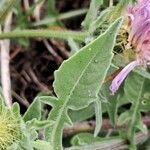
{"x": 29, "y": 135}
{"x": 5, "y": 7}
{"x": 140, "y": 125}
{"x": 49, "y": 100}
{"x": 133, "y": 88}
{"x": 142, "y": 72}
{"x": 118, "y": 10}
{"x": 88, "y": 142}
{"x": 68, "y": 119}
{"x": 42, "y": 145}
{"x": 34, "y": 110}
{"x": 52, "y": 11}
{"x": 124, "y": 118}
{"x": 98, "y": 114}
{"x": 99, "y": 20}
{"x": 86, "y": 113}
{"x": 133, "y": 84}
{"x": 145, "y": 100}
{"x": 111, "y": 103}
{"x": 92, "y": 13}
{"x": 74, "y": 46}
{"x": 84, "y": 139}
{"x": 16, "y": 109}
{"x": 36, "y": 124}
{"x": 111, "y": 143}
{"x": 14, "y": 146}
{"x": 112, "y": 108}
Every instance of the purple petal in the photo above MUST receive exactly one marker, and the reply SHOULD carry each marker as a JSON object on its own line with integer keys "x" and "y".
{"x": 122, "y": 75}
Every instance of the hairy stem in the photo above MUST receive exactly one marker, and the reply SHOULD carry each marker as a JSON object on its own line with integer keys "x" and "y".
{"x": 132, "y": 123}
{"x": 43, "y": 33}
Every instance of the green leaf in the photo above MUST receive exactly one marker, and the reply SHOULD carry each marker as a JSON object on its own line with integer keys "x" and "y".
{"x": 92, "y": 13}
{"x": 52, "y": 11}
{"x": 134, "y": 86}
{"x": 88, "y": 142}
{"x": 16, "y": 109}
{"x": 140, "y": 125}
{"x": 49, "y": 100}
{"x": 111, "y": 103}
{"x": 83, "y": 83}
{"x": 119, "y": 9}
{"x": 84, "y": 138}
{"x": 23, "y": 42}
{"x": 14, "y": 146}
{"x": 36, "y": 124}
{"x": 111, "y": 143}
{"x": 25, "y": 143}
{"x": 124, "y": 118}
{"x": 74, "y": 46}
{"x": 99, "y": 20}
{"x": 145, "y": 101}
{"x": 34, "y": 110}
{"x": 86, "y": 113}
{"x": 5, "y": 7}
{"x": 112, "y": 108}
{"x": 142, "y": 72}
{"x": 79, "y": 79}
{"x": 41, "y": 145}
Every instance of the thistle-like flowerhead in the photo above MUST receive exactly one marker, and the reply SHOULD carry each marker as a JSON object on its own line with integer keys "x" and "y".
{"x": 138, "y": 39}
{"x": 139, "y": 28}
{"x": 10, "y": 131}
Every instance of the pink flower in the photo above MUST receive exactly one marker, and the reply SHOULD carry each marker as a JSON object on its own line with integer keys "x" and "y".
{"x": 139, "y": 28}
{"x": 139, "y": 39}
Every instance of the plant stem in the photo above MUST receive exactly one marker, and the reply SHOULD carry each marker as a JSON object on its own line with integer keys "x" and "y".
{"x": 45, "y": 33}
{"x": 119, "y": 144}
{"x": 111, "y": 3}
{"x": 5, "y": 58}
{"x": 89, "y": 126}
{"x": 132, "y": 123}
{"x": 62, "y": 16}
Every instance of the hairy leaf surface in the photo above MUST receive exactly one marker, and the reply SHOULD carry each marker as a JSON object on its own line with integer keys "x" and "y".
{"x": 134, "y": 90}
{"x": 78, "y": 81}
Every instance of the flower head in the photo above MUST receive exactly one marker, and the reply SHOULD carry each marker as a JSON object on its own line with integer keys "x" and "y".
{"x": 10, "y": 130}
{"x": 139, "y": 39}
{"x": 139, "y": 28}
